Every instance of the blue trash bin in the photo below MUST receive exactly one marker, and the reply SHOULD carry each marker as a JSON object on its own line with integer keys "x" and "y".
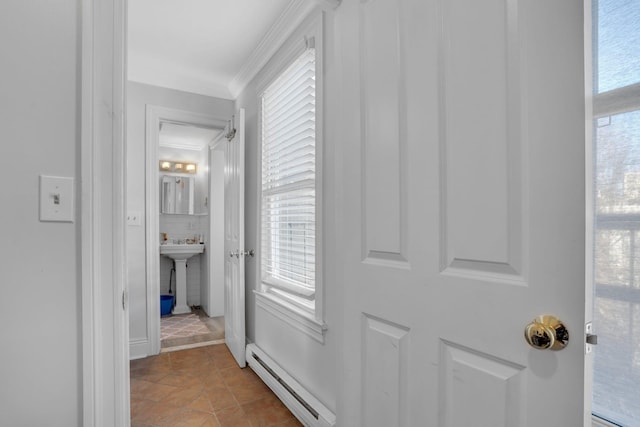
{"x": 166, "y": 304}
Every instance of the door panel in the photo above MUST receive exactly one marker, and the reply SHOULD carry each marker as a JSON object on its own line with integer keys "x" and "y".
{"x": 481, "y": 138}
{"x": 234, "y": 312}
{"x": 463, "y": 211}
{"x": 384, "y": 165}
{"x": 471, "y": 382}
{"x": 385, "y": 366}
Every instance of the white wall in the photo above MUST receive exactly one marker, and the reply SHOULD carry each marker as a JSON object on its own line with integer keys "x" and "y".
{"x": 309, "y": 362}
{"x": 40, "y": 369}
{"x": 138, "y": 96}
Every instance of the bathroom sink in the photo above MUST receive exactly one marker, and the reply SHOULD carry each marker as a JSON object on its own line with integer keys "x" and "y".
{"x": 181, "y": 251}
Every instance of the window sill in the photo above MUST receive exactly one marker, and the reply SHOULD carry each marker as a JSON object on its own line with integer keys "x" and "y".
{"x": 292, "y": 315}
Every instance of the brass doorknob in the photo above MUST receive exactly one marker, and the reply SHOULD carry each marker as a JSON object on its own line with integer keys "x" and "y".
{"x": 546, "y": 332}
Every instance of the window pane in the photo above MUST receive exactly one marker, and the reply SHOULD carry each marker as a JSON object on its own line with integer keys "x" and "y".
{"x": 617, "y": 269}
{"x": 288, "y": 199}
{"x": 617, "y": 43}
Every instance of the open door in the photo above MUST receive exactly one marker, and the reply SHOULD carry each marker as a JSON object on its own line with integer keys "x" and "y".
{"x": 463, "y": 207}
{"x": 234, "y": 319}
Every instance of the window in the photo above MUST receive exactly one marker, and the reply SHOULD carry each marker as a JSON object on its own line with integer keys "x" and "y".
{"x": 289, "y": 193}
{"x": 617, "y": 210}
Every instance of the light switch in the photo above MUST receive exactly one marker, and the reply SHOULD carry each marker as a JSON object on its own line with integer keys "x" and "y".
{"x": 56, "y": 199}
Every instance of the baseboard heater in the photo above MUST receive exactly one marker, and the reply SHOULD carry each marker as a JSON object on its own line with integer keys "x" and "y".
{"x": 307, "y": 409}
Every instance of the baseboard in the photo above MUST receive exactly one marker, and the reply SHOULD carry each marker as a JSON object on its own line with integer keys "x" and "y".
{"x": 138, "y": 348}
{"x": 306, "y": 408}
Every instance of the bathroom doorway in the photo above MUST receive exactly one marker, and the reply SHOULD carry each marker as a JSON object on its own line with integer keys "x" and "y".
{"x": 177, "y": 139}
{"x": 192, "y": 292}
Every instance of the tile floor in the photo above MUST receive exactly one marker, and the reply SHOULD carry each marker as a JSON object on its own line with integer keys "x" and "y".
{"x": 208, "y": 330}
{"x": 184, "y": 325}
{"x": 202, "y": 387}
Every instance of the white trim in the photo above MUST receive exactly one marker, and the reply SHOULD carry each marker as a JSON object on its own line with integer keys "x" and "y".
{"x": 589, "y": 204}
{"x": 299, "y": 290}
{"x": 138, "y": 348}
{"x": 292, "y": 315}
{"x": 216, "y": 143}
{"x": 120, "y": 291}
{"x": 318, "y": 23}
{"x": 311, "y": 27}
{"x": 290, "y": 18}
{"x": 105, "y": 376}
{"x": 616, "y": 101}
{"x": 155, "y": 114}
{"x": 190, "y": 346}
{"x": 333, "y": 4}
{"x": 91, "y": 314}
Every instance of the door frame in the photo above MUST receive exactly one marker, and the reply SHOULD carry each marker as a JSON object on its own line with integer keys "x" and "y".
{"x": 155, "y": 115}
{"x": 105, "y": 332}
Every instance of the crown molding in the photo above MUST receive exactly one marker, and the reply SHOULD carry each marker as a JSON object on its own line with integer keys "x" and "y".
{"x": 330, "y": 3}
{"x": 286, "y": 23}
{"x": 190, "y": 146}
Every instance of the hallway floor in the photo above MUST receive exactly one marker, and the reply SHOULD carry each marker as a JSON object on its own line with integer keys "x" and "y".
{"x": 202, "y": 387}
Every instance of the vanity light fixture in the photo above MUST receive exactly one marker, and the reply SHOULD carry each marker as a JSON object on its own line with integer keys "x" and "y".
{"x": 178, "y": 167}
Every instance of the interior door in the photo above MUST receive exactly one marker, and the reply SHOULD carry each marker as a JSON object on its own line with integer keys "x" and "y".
{"x": 463, "y": 152}
{"x": 234, "y": 318}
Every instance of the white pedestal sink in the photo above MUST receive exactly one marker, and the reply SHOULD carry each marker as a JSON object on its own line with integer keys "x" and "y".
{"x": 180, "y": 253}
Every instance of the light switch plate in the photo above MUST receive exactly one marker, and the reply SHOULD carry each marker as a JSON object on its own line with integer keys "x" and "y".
{"x": 56, "y": 199}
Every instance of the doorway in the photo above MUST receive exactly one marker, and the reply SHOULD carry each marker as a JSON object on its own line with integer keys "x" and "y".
{"x": 190, "y": 288}
{"x": 181, "y": 228}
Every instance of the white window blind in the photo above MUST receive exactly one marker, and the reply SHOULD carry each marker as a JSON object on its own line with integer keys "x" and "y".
{"x": 288, "y": 214}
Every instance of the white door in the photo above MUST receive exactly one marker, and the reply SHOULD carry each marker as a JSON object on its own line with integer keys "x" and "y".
{"x": 234, "y": 320}
{"x": 463, "y": 152}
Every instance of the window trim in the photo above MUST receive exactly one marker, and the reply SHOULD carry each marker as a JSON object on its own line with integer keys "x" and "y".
{"x": 291, "y": 314}
{"x": 613, "y": 102}
{"x": 307, "y": 321}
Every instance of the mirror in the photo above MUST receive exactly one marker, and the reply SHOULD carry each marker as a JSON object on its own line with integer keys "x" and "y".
{"x": 177, "y": 194}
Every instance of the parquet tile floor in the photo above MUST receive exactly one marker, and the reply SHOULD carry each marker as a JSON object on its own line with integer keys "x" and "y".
{"x": 202, "y": 387}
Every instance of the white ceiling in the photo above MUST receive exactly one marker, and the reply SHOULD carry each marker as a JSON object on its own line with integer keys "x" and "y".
{"x": 200, "y": 46}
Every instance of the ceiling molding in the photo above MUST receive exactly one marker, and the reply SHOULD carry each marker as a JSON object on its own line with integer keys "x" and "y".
{"x": 287, "y": 22}
{"x": 331, "y": 3}
{"x": 191, "y": 146}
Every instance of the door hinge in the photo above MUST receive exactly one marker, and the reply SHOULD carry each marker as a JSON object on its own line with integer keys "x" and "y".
{"x": 250, "y": 253}
{"x": 123, "y": 300}
{"x": 591, "y": 339}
